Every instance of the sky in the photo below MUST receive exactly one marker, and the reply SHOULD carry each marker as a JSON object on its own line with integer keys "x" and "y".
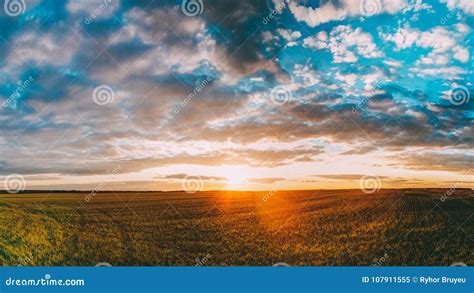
{"x": 254, "y": 95}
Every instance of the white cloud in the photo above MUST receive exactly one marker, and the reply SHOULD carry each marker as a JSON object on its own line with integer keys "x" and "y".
{"x": 153, "y": 28}
{"x": 403, "y": 38}
{"x": 444, "y": 44}
{"x": 316, "y": 16}
{"x": 279, "y": 5}
{"x": 463, "y": 28}
{"x": 267, "y": 36}
{"x": 41, "y": 49}
{"x": 346, "y": 8}
{"x": 462, "y": 54}
{"x": 309, "y": 76}
{"x": 344, "y": 43}
{"x": 372, "y": 82}
{"x": 418, "y": 5}
{"x": 393, "y": 63}
{"x": 450, "y": 72}
{"x": 349, "y": 79}
{"x": 320, "y": 41}
{"x": 289, "y": 36}
{"x": 418, "y": 115}
{"x": 438, "y": 39}
{"x": 98, "y": 9}
{"x": 434, "y": 59}
{"x": 466, "y": 5}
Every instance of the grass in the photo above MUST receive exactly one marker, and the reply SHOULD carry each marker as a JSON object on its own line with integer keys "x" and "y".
{"x": 224, "y": 228}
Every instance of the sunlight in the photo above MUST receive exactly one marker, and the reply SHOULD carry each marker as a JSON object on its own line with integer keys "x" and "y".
{"x": 236, "y": 178}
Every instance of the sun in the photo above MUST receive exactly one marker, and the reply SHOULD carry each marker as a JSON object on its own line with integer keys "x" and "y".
{"x": 236, "y": 178}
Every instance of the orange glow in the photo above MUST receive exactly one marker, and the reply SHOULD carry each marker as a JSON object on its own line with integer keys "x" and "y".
{"x": 236, "y": 177}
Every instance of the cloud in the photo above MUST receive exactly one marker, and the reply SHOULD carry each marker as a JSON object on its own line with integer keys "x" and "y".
{"x": 461, "y": 54}
{"x": 345, "y": 43}
{"x": 289, "y": 36}
{"x": 184, "y": 176}
{"x": 457, "y": 162}
{"x": 345, "y": 176}
{"x": 393, "y": 63}
{"x": 242, "y": 45}
{"x": 450, "y": 72}
{"x": 340, "y": 10}
{"x": 466, "y": 5}
{"x": 97, "y": 9}
{"x": 265, "y": 180}
{"x": 442, "y": 43}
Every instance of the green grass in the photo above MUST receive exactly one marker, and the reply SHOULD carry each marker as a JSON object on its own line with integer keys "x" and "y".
{"x": 340, "y": 227}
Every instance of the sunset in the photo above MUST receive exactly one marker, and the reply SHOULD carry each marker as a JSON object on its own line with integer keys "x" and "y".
{"x": 241, "y": 101}
{"x": 237, "y": 133}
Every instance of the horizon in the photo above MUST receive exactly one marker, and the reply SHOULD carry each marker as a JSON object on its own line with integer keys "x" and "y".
{"x": 219, "y": 190}
{"x": 255, "y": 95}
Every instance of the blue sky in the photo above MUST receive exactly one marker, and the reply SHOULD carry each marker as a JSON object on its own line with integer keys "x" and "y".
{"x": 236, "y": 94}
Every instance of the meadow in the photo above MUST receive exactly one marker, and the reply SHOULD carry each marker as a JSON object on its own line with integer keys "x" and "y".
{"x": 230, "y": 228}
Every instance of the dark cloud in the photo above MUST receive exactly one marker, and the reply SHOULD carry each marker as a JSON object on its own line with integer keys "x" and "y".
{"x": 242, "y": 24}
{"x": 437, "y": 161}
{"x": 265, "y": 180}
{"x": 183, "y": 176}
{"x": 345, "y": 176}
{"x": 107, "y": 161}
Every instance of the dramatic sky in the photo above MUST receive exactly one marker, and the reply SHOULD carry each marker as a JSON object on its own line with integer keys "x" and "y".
{"x": 234, "y": 94}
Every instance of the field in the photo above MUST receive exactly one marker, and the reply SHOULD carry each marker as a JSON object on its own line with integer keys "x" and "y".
{"x": 228, "y": 228}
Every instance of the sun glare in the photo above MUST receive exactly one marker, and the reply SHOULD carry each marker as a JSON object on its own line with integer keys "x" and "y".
{"x": 236, "y": 178}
